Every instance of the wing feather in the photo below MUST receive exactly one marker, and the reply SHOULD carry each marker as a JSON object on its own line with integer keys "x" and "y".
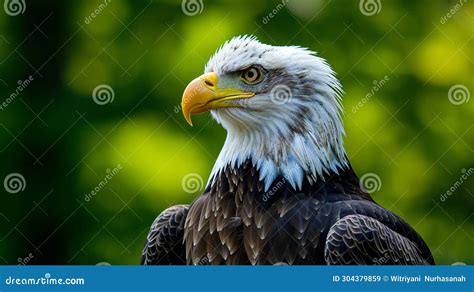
{"x": 164, "y": 245}
{"x": 362, "y": 240}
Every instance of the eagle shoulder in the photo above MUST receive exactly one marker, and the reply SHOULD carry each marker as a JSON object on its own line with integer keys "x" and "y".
{"x": 164, "y": 245}
{"x": 362, "y": 240}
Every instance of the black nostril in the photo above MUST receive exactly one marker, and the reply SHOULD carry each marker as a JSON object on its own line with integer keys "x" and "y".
{"x": 208, "y": 83}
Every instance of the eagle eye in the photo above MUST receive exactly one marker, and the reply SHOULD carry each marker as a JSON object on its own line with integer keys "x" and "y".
{"x": 251, "y": 75}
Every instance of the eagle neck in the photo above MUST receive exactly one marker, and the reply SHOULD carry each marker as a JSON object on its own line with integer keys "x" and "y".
{"x": 241, "y": 184}
{"x": 295, "y": 155}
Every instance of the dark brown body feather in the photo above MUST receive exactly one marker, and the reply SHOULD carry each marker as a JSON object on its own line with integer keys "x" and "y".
{"x": 331, "y": 221}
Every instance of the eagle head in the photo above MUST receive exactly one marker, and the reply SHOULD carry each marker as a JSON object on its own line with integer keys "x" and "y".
{"x": 280, "y": 106}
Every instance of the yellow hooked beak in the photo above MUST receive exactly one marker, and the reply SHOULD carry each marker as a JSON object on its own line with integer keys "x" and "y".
{"x": 202, "y": 95}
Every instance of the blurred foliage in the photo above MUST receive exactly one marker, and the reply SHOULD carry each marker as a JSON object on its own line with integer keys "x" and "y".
{"x": 64, "y": 144}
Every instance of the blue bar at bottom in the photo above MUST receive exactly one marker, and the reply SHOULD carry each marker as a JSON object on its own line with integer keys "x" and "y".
{"x": 237, "y": 278}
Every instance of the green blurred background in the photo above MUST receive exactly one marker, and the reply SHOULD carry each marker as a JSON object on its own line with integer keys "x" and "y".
{"x": 403, "y": 60}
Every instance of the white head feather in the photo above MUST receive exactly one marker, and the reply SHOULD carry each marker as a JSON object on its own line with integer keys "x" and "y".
{"x": 293, "y": 128}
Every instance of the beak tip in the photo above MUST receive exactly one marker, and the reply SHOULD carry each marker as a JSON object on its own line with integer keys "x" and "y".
{"x": 187, "y": 117}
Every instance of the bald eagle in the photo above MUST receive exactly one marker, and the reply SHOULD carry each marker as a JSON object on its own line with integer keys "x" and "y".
{"x": 282, "y": 190}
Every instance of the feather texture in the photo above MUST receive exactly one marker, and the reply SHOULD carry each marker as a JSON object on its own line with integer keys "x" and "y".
{"x": 331, "y": 221}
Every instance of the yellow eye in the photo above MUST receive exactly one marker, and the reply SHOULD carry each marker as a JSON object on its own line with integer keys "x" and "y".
{"x": 251, "y": 75}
